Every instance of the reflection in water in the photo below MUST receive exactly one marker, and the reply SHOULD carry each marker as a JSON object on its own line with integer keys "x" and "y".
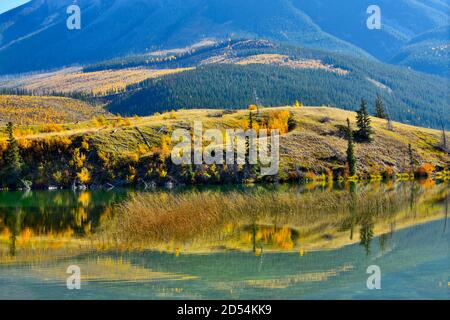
{"x": 402, "y": 226}
{"x": 273, "y": 218}
{"x": 52, "y": 216}
{"x": 446, "y": 214}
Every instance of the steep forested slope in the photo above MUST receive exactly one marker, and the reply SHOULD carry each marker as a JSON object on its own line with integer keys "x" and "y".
{"x": 410, "y": 96}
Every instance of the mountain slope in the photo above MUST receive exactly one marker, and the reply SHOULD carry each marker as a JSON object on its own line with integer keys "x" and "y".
{"x": 46, "y": 110}
{"x": 112, "y": 28}
{"x": 401, "y": 20}
{"x": 233, "y": 74}
{"x": 116, "y": 27}
{"x": 230, "y": 75}
{"x": 428, "y": 52}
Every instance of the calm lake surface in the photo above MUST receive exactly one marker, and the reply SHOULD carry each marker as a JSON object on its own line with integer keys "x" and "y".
{"x": 42, "y": 233}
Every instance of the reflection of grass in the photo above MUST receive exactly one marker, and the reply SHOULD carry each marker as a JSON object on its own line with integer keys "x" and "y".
{"x": 269, "y": 219}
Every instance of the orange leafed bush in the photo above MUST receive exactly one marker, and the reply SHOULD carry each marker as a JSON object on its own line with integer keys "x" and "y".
{"x": 24, "y": 143}
{"x": 388, "y": 172}
{"x": 426, "y": 169}
{"x": 273, "y": 120}
{"x": 310, "y": 176}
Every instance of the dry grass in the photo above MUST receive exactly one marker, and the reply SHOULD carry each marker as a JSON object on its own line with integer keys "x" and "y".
{"x": 321, "y": 219}
{"x": 317, "y": 144}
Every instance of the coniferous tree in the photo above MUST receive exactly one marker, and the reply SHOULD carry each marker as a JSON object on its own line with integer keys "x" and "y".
{"x": 411, "y": 158}
{"x": 12, "y": 162}
{"x": 364, "y": 132}
{"x": 380, "y": 111}
{"x": 351, "y": 160}
{"x": 291, "y": 122}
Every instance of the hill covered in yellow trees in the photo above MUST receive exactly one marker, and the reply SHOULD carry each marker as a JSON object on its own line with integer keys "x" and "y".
{"x": 27, "y": 110}
{"x": 70, "y": 80}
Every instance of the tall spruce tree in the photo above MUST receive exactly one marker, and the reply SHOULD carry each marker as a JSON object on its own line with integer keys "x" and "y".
{"x": 12, "y": 162}
{"x": 364, "y": 132}
{"x": 351, "y": 160}
{"x": 380, "y": 111}
{"x": 411, "y": 158}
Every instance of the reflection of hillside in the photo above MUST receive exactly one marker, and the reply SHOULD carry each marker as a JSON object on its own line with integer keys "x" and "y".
{"x": 277, "y": 275}
{"x": 258, "y": 219}
{"x": 234, "y": 274}
{"x": 285, "y": 219}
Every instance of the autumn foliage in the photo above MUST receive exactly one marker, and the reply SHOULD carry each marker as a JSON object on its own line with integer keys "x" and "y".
{"x": 426, "y": 170}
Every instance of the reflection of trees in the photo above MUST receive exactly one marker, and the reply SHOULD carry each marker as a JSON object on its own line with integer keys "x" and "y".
{"x": 13, "y": 222}
{"x": 384, "y": 238}
{"x": 413, "y": 196}
{"x": 352, "y": 209}
{"x": 270, "y": 235}
{"x": 366, "y": 235}
{"x": 365, "y": 209}
{"x": 53, "y": 213}
{"x": 254, "y": 237}
{"x": 446, "y": 212}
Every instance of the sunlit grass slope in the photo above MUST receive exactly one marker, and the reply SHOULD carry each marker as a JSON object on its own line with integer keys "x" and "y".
{"x": 315, "y": 144}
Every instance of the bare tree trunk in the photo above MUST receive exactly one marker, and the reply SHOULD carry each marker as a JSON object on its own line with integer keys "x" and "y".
{"x": 444, "y": 140}
{"x": 143, "y": 138}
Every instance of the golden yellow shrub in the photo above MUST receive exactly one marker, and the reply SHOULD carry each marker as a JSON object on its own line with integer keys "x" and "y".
{"x": 84, "y": 176}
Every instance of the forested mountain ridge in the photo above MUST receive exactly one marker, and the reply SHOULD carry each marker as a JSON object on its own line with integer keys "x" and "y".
{"x": 228, "y": 54}
{"x": 114, "y": 28}
{"x": 234, "y": 74}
